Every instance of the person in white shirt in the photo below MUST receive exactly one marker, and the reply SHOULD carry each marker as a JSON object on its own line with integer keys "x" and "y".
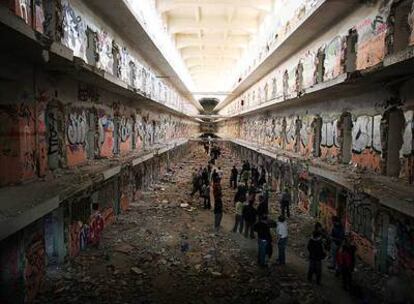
{"x": 282, "y": 237}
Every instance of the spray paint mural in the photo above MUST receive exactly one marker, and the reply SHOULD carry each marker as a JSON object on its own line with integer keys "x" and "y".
{"x": 329, "y": 139}
{"x": 371, "y": 37}
{"x": 106, "y": 130}
{"x": 74, "y": 29}
{"x": 76, "y": 131}
{"x": 366, "y": 142}
{"x": 104, "y": 51}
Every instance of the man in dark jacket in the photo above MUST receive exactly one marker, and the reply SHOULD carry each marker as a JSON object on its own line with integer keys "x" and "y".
{"x": 233, "y": 177}
{"x": 249, "y": 217}
{"x": 316, "y": 255}
{"x": 262, "y": 209}
{"x": 205, "y": 176}
{"x": 264, "y": 239}
{"x": 337, "y": 237}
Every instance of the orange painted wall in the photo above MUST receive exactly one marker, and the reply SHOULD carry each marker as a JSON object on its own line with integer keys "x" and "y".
{"x": 368, "y": 159}
{"x": 75, "y": 155}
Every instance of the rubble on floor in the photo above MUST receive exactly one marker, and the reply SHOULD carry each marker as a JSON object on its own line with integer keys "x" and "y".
{"x": 164, "y": 250}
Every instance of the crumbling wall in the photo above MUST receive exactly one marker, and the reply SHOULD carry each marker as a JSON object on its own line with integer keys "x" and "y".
{"x": 372, "y": 32}
{"x": 23, "y": 148}
{"x": 67, "y": 123}
{"x": 366, "y": 142}
{"x": 110, "y": 53}
{"x": 326, "y": 57}
{"x": 352, "y": 131}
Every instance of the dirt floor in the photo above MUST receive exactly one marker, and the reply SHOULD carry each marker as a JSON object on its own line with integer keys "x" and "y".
{"x": 160, "y": 252}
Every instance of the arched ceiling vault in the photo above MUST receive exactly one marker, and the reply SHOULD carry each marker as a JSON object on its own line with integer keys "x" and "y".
{"x": 211, "y": 35}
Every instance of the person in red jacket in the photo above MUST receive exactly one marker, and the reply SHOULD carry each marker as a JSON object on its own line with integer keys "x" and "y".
{"x": 345, "y": 264}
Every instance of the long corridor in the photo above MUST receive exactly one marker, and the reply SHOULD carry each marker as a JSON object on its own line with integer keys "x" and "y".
{"x": 165, "y": 250}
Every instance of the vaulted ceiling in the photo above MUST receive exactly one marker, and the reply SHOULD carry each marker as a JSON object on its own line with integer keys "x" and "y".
{"x": 212, "y": 34}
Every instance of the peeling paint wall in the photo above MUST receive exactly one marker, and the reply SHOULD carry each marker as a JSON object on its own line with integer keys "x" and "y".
{"x": 68, "y": 123}
{"x": 113, "y": 55}
{"x": 374, "y": 40}
{"x": 352, "y": 130}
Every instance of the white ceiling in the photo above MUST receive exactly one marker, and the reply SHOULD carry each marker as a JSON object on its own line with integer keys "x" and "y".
{"x": 211, "y": 35}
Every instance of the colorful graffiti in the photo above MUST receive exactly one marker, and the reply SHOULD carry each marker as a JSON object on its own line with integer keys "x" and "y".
{"x": 74, "y": 29}
{"x": 104, "y": 50}
{"x": 106, "y": 130}
{"x": 372, "y": 32}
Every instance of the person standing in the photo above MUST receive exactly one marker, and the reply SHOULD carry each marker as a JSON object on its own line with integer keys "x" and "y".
{"x": 206, "y": 196}
{"x": 262, "y": 209}
{"x": 205, "y": 176}
{"x": 337, "y": 237}
{"x": 218, "y": 213}
{"x": 240, "y": 195}
{"x": 282, "y": 238}
{"x": 215, "y": 177}
{"x": 285, "y": 203}
{"x": 220, "y": 173}
{"x": 316, "y": 255}
{"x": 217, "y": 193}
{"x": 264, "y": 238}
{"x": 238, "y": 223}
{"x": 244, "y": 177}
{"x": 262, "y": 179}
{"x": 345, "y": 260}
{"x": 233, "y": 177}
{"x": 249, "y": 217}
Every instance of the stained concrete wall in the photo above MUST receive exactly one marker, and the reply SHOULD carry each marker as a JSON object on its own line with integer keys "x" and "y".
{"x": 368, "y": 139}
{"x": 50, "y": 122}
{"x": 76, "y": 26}
{"x": 76, "y": 225}
{"x": 358, "y": 42}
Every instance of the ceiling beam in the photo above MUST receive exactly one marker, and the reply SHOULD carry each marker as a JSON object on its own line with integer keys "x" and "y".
{"x": 210, "y": 61}
{"x": 164, "y": 6}
{"x": 183, "y": 41}
{"x": 188, "y": 53}
{"x": 181, "y": 25}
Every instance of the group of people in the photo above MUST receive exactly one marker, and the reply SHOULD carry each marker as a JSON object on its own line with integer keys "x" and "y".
{"x": 251, "y": 202}
{"x": 341, "y": 253}
{"x": 203, "y": 179}
{"x": 251, "y": 184}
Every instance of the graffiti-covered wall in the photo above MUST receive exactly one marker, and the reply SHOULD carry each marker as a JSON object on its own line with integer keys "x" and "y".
{"x": 383, "y": 237}
{"x": 65, "y": 123}
{"x": 370, "y": 132}
{"x": 381, "y": 29}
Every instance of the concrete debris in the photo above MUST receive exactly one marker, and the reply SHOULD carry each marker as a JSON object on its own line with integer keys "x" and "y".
{"x": 163, "y": 252}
